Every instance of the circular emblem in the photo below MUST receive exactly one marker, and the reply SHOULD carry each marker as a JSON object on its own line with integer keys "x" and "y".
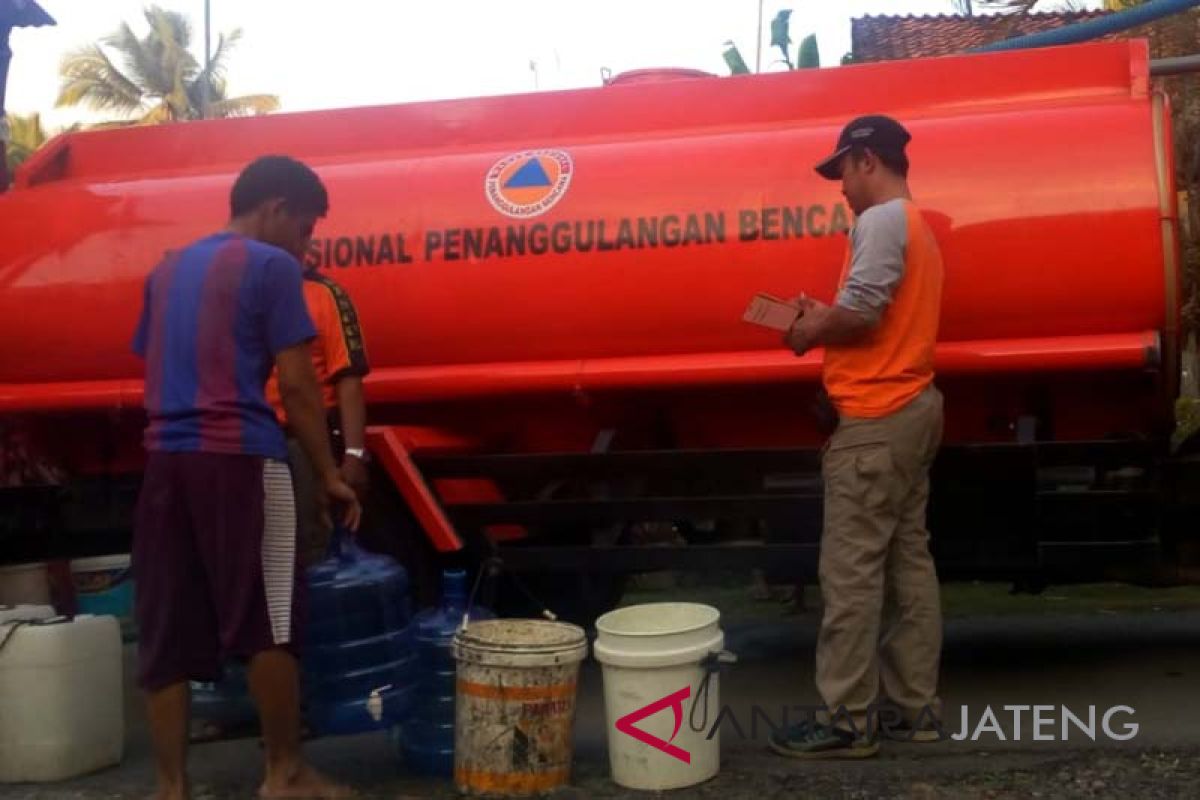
{"x": 528, "y": 183}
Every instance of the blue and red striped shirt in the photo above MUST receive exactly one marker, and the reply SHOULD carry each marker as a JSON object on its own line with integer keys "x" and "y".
{"x": 214, "y": 316}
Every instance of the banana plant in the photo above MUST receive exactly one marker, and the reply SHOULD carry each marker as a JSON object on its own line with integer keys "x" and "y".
{"x": 808, "y": 55}
{"x": 733, "y": 58}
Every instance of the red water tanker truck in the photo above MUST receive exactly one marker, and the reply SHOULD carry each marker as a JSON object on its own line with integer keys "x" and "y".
{"x": 551, "y": 289}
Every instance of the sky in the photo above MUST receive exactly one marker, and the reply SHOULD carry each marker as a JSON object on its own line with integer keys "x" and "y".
{"x": 366, "y": 52}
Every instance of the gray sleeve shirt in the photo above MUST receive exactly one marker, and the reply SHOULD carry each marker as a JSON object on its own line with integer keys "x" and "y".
{"x": 877, "y": 244}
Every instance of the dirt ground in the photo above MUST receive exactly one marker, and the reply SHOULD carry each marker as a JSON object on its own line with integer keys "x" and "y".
{"x": 1089, "y": 646}
{"x": 1156, "y": 774}
{"x": 1062, "y": 776}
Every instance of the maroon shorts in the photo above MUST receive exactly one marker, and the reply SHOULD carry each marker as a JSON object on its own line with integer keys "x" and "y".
{"x": 214, "y": 560}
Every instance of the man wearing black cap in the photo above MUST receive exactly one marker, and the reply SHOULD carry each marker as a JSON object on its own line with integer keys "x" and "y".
{"x": 880, "y": 640}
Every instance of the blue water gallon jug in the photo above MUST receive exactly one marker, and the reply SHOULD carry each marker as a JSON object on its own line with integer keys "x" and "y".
{"x": 223, "y": 708}
{"x": 427, "y": 735}
{"x": 359, "y": 657}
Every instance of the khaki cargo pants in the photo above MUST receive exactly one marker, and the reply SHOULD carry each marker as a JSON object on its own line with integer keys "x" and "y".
{"x": 881, "y": 636}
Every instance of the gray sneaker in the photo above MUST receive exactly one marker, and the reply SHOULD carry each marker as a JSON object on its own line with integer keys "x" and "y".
{"x": 904, "y": 732}
{"x": 813, "y": 741}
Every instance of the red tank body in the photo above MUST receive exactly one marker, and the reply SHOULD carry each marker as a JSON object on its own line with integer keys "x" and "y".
{"x": 683, "y": 198}
{"x": 531, "y": 270}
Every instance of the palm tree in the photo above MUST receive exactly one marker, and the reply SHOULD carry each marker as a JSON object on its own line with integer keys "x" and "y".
{"x": 159, "y": 80}
{"x": 27, "y": 135}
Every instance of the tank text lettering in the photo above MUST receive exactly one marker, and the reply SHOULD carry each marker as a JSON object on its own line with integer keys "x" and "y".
{"x": 839, "y": 221}
{"x": 343, "y": 252}
{"x": 775, "y": 223}
{"x": 433, "y": 243}
{"x": 367, "y": 250}
{"x": 579, "y": 236}
{"x": 473, "y": 245}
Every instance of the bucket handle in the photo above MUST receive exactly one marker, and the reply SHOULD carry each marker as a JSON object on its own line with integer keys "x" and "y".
{"x": 12, "y": 631}
{"x": 11, "y": 627}
{"x": 711, "y": 663}
{"x": 494, "y": 566}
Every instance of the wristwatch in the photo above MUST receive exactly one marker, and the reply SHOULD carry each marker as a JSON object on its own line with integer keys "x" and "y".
{"x": 358, "y": 452}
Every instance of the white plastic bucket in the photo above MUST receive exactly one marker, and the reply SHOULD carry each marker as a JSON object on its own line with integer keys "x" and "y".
{"x": 515, "y": 705}
{"x": 652, "y": 658}
{"x": 24, "y": 584}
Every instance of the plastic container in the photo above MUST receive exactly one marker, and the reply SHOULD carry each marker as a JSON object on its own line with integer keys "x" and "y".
{"x": 25, "y": 613}
{"x": 25, "y": 584}
{"x": 653, "y": 653}
{"x": 427, "y": 736}
{"x": 359, "y": 660}
{"x": 62, "y": 710}
{"x": 517, "y": 685}
{"x": 104, "y": 585}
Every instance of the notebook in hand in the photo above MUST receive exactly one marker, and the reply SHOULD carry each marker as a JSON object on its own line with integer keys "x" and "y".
{"x": 771, "y": 312}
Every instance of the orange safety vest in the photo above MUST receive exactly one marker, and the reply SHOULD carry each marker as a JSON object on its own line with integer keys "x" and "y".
{"x": 338, "y": 349}
{"x": 881, "y": 374}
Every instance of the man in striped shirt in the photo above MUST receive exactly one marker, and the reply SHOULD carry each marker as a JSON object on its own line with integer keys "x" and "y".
{"x": 215, "y": 529}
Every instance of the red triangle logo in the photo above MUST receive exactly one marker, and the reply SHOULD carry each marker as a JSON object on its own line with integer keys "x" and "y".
{"x": 675, "y": 700}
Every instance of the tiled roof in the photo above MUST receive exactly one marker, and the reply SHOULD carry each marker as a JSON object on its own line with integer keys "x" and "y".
{"x": 881, "y": 38}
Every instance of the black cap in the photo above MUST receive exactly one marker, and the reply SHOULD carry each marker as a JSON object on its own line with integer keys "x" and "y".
{"x": 879, "y": 133}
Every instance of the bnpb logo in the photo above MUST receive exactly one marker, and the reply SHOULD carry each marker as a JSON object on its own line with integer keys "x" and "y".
{"x": 528, "y": 183}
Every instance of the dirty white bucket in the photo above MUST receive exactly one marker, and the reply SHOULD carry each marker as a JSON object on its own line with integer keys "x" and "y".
{"x": 515, "y": 705}
{"x": 652, "y": 658}
{"x": 23, "y": 584}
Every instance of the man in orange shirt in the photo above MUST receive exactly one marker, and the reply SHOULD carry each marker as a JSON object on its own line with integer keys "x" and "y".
{"x": 881, "y": 635}
{"x": 340, "y": 360}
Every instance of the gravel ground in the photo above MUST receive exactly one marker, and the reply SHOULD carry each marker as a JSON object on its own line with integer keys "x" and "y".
{"x": 1147, "y": 659}
{"x": 1058, "y": 776}
{"x": 1155, "y": 774}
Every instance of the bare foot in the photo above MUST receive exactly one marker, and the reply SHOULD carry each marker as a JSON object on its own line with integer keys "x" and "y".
{"x": 173, "y": 794}
{"x": 304, "y": 784}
